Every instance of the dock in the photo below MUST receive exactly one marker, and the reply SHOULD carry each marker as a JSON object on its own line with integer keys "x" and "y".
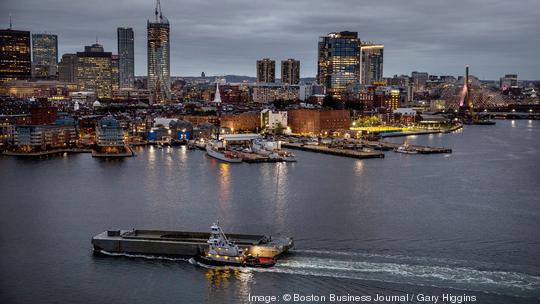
{"x": 47, "y": 152}
{"x": 334, "y": 151}
{"x": 387, "y": 146}
{"x": 128, "y": 153}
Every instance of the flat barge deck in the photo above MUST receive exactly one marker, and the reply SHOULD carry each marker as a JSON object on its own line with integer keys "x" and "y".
{"x": 183, "y": 244}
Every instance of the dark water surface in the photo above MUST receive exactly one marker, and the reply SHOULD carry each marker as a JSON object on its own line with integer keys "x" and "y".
{"x": 462, "y": 223}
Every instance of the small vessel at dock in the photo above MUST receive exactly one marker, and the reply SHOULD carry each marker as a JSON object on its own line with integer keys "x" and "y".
{"x": 406, "y": 149}
{"x": 216, "y": 150}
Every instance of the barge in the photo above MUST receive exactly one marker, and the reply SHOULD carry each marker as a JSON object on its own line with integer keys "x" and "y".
{"x": 184, "y": 244}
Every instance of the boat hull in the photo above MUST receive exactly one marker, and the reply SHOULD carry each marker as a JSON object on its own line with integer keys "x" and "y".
{"x": 183, "y": 244}
{"x": 221, "y": 156}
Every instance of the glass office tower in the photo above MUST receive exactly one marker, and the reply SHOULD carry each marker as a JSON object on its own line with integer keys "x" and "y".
{"x": 15, "y": 60}
{"x": 339, "y": 62}
{"x": 126, "y": 57}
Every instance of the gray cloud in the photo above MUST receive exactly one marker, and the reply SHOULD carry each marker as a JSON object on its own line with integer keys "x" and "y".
{"x": 227, "y": 37}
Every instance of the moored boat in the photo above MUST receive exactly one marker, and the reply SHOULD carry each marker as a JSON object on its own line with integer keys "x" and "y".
{"x": 406, "y": 149}
{"x": 214, "y": 150}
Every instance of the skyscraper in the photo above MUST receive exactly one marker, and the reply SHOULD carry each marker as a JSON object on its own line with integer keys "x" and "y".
{"x": 371, "y": 62}
{"x": 126, "y": 57}
{"x": 67, "y": 68}
{"x": 94, "y": 71}
{"x": 290, "y": 71}
{"x": 44, "y": 55}
{"x": 266, "y": 70}
{"x": 115, "y": 72}
{"x": 159, "y": 71}
{"x": 15, "y": 60}
{"x": 339, "y": 61}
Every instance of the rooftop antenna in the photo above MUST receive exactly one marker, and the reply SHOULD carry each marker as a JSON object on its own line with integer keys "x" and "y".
{"x": 158, "y": 8}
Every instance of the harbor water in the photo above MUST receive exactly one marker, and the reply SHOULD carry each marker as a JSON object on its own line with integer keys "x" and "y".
{"x": 465, "y": 223}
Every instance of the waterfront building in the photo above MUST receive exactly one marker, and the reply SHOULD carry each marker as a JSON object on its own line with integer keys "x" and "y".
{"x": 270, "y": 120}
{"x": 94, "y": 71}
{"x": 126, "y": 57}
{"x": 32, "y": 138}
{"x": 109, "y": 133}
{"x": 317, "y": 121}
{"x": 290, "y": 71}
{"x": 266, "y": 70}
{"x": 44, "y": 55}
{"x": 158, "y": 46}
{"x": 338, "y": 61}
{"x": 7, "y": 131}
{"x": 15, "y": 62}
{"x": 67, "y": 68}
{"x": 371, "y": 63}
{"x": 167, "y": 129}
{"x": 243, "y": 122}
{"x": 508, "y": 81}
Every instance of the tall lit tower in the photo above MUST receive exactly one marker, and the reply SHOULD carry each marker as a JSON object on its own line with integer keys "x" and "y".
{"x": 290, "y": 71}
{"x": 126, "y": 58}
{"x": 371, "y": 62}
{"x": 339, "y": 61}
{"x": 266, "y": 70}
{"x": 44, "y": 55}
{"x": 15, "y": 60}
{"x": 159, "y": 64}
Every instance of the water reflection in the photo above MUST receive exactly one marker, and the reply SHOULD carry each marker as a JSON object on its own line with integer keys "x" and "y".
{"x": 224, "y": 188}
{"x": 281, "y": 194}
{"x": 358, "y": 167}
{"x": 220, "y": 280}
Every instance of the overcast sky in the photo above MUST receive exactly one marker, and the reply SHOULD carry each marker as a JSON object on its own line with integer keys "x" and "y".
{"x": 226, "y": 37}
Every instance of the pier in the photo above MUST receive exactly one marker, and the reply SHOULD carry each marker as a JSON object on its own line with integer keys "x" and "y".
{"x": 334, "y": 151}
{"x": 386, "y": 146}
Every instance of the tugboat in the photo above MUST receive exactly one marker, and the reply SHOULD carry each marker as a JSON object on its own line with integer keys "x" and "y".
{"x": 222, "y": 252}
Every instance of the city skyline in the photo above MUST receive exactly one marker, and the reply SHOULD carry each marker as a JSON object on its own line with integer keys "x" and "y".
{"x": 437, "y": 38}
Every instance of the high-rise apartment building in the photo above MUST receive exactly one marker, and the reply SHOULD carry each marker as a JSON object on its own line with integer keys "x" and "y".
{"x": 159, "y": 64}
{"x": 126, "y": 57}
{"x": 94, "y": 71}
{"x": 15, "y": 60}
{"x": 371, "y": 63}
{"x": 44, "y": 55}
{"x": 266, "y": 70}
{"x": 290, "y": 71}
{"x": 339, "y": 61}
{"x": 67, "y": 68}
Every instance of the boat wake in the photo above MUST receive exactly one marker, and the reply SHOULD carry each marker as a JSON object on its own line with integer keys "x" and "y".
{"x": 148, "y": 257}
{"x": 399, "y": 269}
{"x": 438, "y": 273}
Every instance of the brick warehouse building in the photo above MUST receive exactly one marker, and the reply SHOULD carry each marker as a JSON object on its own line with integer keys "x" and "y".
{"x": 243, "y": 122}
{"x": 311, "y": 121}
